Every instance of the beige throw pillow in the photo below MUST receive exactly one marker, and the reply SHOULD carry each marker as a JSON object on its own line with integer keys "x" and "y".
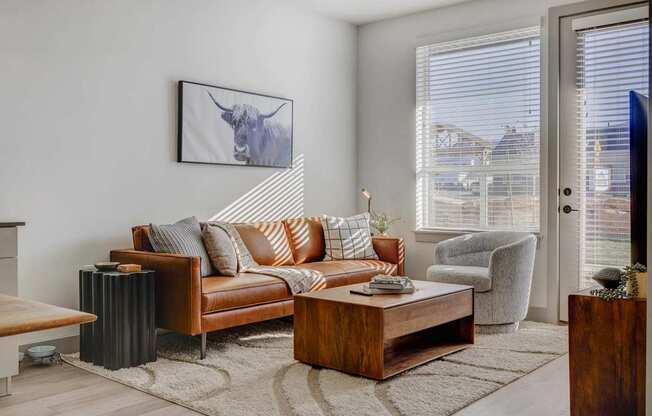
{"x": 220, "y": 250}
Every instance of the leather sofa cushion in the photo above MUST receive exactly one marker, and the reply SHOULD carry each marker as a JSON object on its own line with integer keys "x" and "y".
{"x": 140, "y": 236}
{"x": 348, "y": 272}
{"x": 306, "y": 236}
{"x": 267, "y": 242}
{"x": 339, "y": 268}
{"x": 221, "y": 293}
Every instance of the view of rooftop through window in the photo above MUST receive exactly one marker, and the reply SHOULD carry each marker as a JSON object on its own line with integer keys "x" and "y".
{"x": 478, "y": 121}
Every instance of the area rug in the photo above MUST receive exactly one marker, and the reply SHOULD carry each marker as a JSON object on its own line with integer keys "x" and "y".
{"x": 250, "y": 371}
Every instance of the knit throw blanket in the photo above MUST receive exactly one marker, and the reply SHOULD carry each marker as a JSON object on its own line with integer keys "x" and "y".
{"x": 299, "y": 280}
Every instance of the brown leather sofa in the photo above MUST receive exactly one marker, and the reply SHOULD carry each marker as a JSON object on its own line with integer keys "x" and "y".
{"x": 190, "y": 304}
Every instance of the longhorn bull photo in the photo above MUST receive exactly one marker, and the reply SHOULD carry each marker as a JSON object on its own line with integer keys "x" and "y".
{"x": 230, "y": 127}
{"x": 257, "y": 140}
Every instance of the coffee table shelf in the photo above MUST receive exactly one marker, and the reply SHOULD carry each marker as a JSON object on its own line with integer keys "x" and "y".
{"x": 413, "y": 350}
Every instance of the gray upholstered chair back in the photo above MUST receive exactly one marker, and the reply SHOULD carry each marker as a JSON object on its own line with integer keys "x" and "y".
{"x": 474, "y": 249}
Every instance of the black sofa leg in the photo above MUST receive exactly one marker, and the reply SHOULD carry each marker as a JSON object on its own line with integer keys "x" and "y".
{"x": 203, "y": 346}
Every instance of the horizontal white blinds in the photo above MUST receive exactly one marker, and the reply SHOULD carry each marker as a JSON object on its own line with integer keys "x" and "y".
{"x": 477, "y": 125}
{"x": 611, "y": 62}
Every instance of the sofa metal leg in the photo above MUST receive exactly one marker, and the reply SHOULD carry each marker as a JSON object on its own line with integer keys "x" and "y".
{"x": 203, "y": 346}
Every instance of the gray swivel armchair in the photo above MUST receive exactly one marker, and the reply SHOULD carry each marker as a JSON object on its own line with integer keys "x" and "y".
{"x": 499, "y": 266}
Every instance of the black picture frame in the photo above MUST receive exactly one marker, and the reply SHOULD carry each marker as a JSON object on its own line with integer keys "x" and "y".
{"x": 183, "y": 158}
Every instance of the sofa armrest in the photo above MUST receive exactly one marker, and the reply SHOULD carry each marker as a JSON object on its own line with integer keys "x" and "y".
{"x": 178, "y": 287}
{"x": 391, "y": 250}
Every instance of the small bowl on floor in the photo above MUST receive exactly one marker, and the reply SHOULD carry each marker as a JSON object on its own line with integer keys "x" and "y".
{"x": 107, "y": 266}
{"x": 41, "y": 351}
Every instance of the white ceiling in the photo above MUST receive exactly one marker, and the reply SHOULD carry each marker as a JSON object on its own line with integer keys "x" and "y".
{"x": 366, "y": 11}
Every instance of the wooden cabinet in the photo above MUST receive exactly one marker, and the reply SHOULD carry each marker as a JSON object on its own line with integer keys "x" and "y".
{"x": 8, "y": 259}
{"x": 607, "y": 355}
{"x": 8, "y": 286}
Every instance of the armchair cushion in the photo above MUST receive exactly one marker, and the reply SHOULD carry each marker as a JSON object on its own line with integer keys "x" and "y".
{"x": 478, "y": 277}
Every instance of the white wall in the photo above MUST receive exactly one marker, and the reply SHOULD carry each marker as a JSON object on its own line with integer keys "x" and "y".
{"x": 88, "y": 119}
{"x": 386, "y": 116}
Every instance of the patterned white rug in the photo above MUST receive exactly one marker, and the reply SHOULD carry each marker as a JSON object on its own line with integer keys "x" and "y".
{"x": 250, "y": 371}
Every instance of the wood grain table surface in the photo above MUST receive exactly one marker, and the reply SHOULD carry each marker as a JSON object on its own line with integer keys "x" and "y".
{"x": 19, "y": 316}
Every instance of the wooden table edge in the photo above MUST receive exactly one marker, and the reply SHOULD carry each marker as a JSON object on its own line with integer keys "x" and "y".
{"x": 50, "y": 324}
{"x": 73, "y": 317}
{"x": 311, "y": 295}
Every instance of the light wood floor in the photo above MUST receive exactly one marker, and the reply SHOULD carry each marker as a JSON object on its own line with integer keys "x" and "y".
{"x": 66, "y": 390}
{"x": 543, "y": 392}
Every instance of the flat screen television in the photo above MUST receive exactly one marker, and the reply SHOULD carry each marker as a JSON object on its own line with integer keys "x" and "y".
{"x": 638, "y": 120}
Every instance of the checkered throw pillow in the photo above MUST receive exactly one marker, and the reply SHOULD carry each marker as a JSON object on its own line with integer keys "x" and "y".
{"x": 348, "y": 238}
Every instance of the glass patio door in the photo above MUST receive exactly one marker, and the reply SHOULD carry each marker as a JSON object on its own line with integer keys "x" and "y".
{"x": 602, "y": 58}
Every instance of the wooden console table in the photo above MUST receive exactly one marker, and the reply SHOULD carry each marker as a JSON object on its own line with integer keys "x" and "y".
{"x": 19, "y": 316}
{"x": 607, "y": 355}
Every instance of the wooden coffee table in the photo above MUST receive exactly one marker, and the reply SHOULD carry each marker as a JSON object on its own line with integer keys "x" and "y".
{"x": 380, "y": 336}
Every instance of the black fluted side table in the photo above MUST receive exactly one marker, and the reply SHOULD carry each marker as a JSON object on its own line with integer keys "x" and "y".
{"x": 124, "y": 334}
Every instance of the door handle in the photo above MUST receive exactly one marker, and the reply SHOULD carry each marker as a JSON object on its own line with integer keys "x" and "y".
{"x": 568, "y": 209}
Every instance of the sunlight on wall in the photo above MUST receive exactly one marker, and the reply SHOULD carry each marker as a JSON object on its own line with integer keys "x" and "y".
{"x": 277, "y": 197}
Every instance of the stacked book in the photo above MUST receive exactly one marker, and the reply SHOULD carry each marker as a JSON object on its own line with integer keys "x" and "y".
{"x": 387, "y": 285}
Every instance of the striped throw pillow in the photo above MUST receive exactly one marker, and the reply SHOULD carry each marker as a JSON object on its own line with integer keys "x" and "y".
{"x": 183, "y": 237}
{"x": 348, "y": 238}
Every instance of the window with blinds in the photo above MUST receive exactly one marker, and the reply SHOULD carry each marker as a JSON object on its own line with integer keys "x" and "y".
{"x": 477, "y": 125}
{"x": 611, "y": 62}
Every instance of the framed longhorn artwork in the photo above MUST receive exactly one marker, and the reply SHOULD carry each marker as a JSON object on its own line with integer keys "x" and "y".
{"x": 230, "y": 127}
